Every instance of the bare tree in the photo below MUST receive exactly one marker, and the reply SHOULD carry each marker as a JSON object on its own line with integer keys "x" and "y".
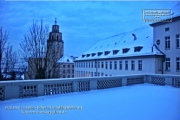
{"x": 33, "y": 50}
{"x": 3, "y": 41}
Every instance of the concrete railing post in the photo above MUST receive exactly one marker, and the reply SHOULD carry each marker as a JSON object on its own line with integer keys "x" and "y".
{"x": 40, "y": 89}
{"x": 75, "y": 86}
{"x": 168, "y": 80}
{"x": 93, "y": 85}
{"x": 124, "y": 81}
{"x": 11, "y": 92}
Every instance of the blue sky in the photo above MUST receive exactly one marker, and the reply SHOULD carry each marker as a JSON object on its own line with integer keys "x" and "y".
{"x": 82, "y": 23}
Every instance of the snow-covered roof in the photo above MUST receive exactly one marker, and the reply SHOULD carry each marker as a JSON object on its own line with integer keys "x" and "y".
{"x": 66, "y": 59}
{"x": 134, "y": 43}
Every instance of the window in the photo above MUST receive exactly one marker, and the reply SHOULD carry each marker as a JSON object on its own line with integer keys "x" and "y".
{"x": 139, "y": 65}
{"x": 68, "y": 76}
{"x": 91, "y": 74}
{"x": 92, "y": 64}
{"x": 64, "y": 71}
{"x": 110, "y": 65}
{"x": 120, "y": 65}
{"x": 98, "y": 64}
{"x": 95, "y": 64}
{"x": 87, "y": 55}
{"x": 68, "y": 71}
{"x": 125, "y": 50}
{"x": 72, "y": 66}
{"x": 93, "y": 54}
{"x": 167, "y": 42}
{"x": 86, "y": 64}
{"x": 68, "y": 66}
{"x": 178, "y": 63}
{"x": 102, "y": 64}
{"x": 178, "y": 41}
{"x": 102, "y": 74}
{"x": 100, "y": 53}
{"x": 167, "y": 29}
{"x": 98, "y": 74}
{"x": 64, "y": 66}
{"x": 126, "y": 65}
{"x": 137, "y": 49}
{"x": 106, "y": 52}
{"x": 89, "y": 64}
{"x": 83, "y": 56}
{"x": 115, "y": 65}
{"x": 106, "y": 65}
{"x": 132, "y": 65}
{"x": 72, "y": 71}
{"x": 167, "y": 64}
{"x": 64, "y": 76}
{"x": 115, "y": 52}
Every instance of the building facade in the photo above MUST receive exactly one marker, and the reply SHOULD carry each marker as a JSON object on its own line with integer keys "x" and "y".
{"x": 65, "y": 67}
{"x": 166, "y": 36}
{"x": 131, "y": 53}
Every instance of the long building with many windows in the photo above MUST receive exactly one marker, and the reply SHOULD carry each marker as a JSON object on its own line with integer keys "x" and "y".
{"x": 128, "y": 53}
{"x": 134, "y": 52}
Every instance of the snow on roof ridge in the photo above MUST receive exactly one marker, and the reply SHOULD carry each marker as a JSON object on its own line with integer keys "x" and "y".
{"x": 138, "y": 37}
{"x": 66, "y": 58}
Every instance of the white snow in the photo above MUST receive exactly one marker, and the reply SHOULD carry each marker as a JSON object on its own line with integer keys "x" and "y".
{"x": 125, "y": 40}
{"x": 66, "y": 59}
{"x": 136, "y": 102}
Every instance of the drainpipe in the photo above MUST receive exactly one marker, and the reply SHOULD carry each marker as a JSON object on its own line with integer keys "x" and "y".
{"x": 96, "y": 68}
{"x": 163, "y": 64}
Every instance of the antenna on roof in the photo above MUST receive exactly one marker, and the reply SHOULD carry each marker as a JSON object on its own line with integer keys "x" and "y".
{"x": 134, "y": 36}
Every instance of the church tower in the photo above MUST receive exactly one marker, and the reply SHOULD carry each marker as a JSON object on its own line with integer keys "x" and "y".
{"x": 55, "y": 49}
{"x": 55, "y": 44}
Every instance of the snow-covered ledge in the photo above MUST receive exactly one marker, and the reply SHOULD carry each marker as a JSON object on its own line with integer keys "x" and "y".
{"x": 34, "y": 88}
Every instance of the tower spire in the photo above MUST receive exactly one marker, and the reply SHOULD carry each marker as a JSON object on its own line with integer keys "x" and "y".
{"x": 55, "y": 21}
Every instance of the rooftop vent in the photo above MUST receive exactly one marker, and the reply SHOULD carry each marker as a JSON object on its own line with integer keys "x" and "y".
{"x": 138, "y": 48}
{"x": 134, "y": 36}
{"x": 115, "y": 52}
{"x": 125, "y": 50}
{"x": 106, "y": 52}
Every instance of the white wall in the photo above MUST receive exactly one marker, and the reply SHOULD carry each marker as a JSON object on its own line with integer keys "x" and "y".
{"x": 160, "y": 33}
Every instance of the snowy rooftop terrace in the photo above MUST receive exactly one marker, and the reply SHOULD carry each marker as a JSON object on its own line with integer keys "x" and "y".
{"x": 122, "y": 101}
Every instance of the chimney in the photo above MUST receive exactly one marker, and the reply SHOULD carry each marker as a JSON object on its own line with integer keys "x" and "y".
{"x": 134, "y": 36}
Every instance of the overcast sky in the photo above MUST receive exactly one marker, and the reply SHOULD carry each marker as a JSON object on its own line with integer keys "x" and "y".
{"x": 82, "y": 23}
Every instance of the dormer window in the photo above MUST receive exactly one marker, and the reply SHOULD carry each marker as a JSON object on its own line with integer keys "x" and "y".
{"x": 100, "y": 53}
{"x": 93, "y": 54}
{"x": 125, "y": 50}
{"x": 138, "y": 48}
{"x": 115, "y": 52}
{"x": 87, "y": 55}
{"x": 83, "y": 56}
{"x": 106, "y": 52}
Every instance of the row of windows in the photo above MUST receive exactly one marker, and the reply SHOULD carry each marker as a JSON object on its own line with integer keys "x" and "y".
{"x": 168, "y": 64}
{"x": 89, "y": 74}
{"x": 68, "y": 71}
{"x": 109, "y": 65}
{"x": 167, "y": 41}
{"x": 68, "y": 66}
{"x": 68, "y": 76}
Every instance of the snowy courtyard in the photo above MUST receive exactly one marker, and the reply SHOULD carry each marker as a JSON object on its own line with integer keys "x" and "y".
{"x": 136, "y": 102}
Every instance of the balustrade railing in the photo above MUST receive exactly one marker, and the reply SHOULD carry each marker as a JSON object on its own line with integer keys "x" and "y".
{"x": 34, "y": 88}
